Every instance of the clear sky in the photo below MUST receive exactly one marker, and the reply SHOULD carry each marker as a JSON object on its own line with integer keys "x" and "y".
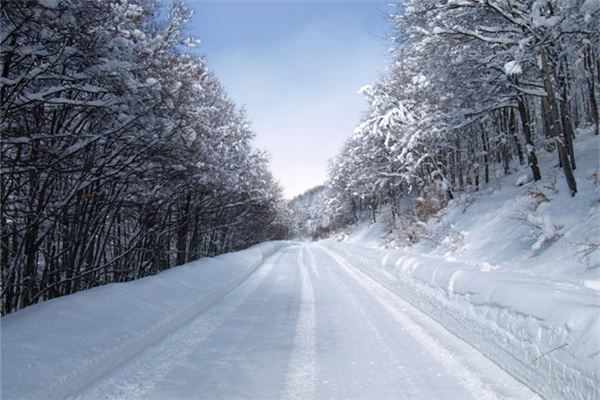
{"x": 296, "y": 67}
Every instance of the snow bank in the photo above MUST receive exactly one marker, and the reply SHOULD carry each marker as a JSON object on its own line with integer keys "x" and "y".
{"x": 545, "y": 333}
{"x": 512, "y": 269}
{"x": 514, "y": 223}
{"x": 52, "y": 349}
{"x": 537, "y": 228}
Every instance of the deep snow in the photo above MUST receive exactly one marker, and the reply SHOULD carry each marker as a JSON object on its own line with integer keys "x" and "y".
{"x": 544, "y": 332}
{"x": 301, "y": 323}
{"x": 502, "y": 278}
{"x": 508, "y": 269}
{"x": 536, "y": 228}
{"x": 53, "y": 349}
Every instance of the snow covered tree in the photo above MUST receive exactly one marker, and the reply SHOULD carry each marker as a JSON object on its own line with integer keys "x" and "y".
{"x": 306, "y": 210}
{"x": 121, "y": 155}
{"x": 474, "y": 87}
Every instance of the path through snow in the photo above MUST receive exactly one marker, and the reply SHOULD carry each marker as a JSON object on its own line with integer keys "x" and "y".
{"x": 308, "y": 325}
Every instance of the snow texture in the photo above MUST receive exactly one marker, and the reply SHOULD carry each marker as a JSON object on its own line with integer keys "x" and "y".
{"x": 512, "y": 68}
{"x": 545, "y": 333}
{"x": 54, "y": 349}
{"x": 511, "y": 270}
{"x": 304, "y": 323}
{"x": 590, "y": 6}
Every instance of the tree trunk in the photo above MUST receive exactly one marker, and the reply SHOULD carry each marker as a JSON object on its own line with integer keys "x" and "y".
{"x": 594, "y": 113}
{"x": 530, "y": 148}
{"x": 555, "y": 126}
{"x": 459, "y": 167}
{"x": 568, "y": 133}
{"x": 486, "y": 155}
{"x": 512, "y": 123}
{"x": 182, "y": 232}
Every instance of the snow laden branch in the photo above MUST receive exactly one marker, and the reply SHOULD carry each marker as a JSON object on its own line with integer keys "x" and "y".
{"x": 476, "y": 89}
{"x": 122, "y": 156}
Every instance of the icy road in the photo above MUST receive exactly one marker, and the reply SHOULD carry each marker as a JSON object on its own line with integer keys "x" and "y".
{"x": 308, "y": 325}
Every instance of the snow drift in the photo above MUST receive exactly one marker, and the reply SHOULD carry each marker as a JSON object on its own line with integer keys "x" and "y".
{"x": 544, "y": 332}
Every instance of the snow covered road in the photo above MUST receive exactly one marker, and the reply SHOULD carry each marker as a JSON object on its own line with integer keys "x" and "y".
{"x": 308, "y": 325}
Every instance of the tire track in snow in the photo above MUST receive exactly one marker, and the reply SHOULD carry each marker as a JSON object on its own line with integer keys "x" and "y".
{"x": 393, "y": 305}
{"x": 137, "y": 378}
{"x": 313, "y": 264}
{"x": 398, "y": 373}
{"x": 300, "y": 378}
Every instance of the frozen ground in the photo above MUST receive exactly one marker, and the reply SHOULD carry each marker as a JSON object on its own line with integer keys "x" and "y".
{"x": 545, "y": 332}
{"x": 536, "y": 228}
{"x": 305, "y": 324}
{"x": 500, "y": 302}
{"x": 511, "y": 270}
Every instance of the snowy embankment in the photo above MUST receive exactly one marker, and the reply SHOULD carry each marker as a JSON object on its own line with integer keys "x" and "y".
{"x": 53, "y": 349}
{"x": 512, "y": 269}
{"x": 546, "y": 333}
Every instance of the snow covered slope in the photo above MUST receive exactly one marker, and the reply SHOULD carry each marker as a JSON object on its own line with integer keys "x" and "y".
{"x": 55, "y": 348}
{"x": 511, "y": 270}
{"x": 546, "y": 333}
{"x": 536, "y": 228}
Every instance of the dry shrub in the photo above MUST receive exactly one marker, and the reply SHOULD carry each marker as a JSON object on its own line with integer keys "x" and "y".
{"x": 594, "y": 177}
{"x": 551, "y": 185}
{"x": 432, "y": 201}
{"x": 425, "y": 208}
{"x": 538, "y": 197}
{"x": 322, "y": 232}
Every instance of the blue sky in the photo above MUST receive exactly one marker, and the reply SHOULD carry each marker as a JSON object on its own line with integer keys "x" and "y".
{"x": 296, "y": 67}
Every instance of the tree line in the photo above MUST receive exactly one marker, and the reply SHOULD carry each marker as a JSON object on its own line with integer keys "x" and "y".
{"x": 475, "y": 88}
{"x": 122, "y": 155}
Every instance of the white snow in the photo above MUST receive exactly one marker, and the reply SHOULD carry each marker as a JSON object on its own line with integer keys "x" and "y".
{"x": 505, "y": 303}
{"x": 283, "y": 331}
{"x": 300, "y": 379}
{"x": 512, "y": 68}
{"x": 545, "y": 332}
{"x": 523, "y": 179}
{"x": 48, "y": 3}
{"x": 541, "y": 220}
{"x": 513, "y": 270}
{"x": 590, "y": 6}
{"x": 53, "y": 349}
{"x": 368, "y": 233}
{"x": 501, "y": 223}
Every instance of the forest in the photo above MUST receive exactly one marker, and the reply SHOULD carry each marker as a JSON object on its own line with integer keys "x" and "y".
{"x": 122, "y": 155}
{"x": 475, "y": 89}
{"x": 148, "y": 250}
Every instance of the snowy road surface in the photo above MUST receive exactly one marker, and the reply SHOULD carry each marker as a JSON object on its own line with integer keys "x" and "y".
{"x": 308, "y": 325}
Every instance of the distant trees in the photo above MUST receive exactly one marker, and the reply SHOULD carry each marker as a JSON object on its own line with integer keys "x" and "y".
{"x": 475, "y": 88}
{"x": 121, "y": 155}
{"x": 305, "y": 213}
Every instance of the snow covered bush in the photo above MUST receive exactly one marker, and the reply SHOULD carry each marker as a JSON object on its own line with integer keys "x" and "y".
{"x": 523, "y": 180}
{"x": 542, "y": 228}
{"x": 548, "y": 230}
{"x": 430, "y": 203}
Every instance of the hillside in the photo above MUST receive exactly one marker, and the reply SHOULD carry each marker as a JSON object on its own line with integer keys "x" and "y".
{"x": 516, "y": 224}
